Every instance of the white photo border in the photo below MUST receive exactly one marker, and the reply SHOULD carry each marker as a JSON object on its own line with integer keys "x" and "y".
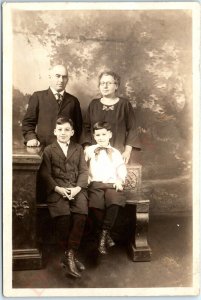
{"x": 9, "y": 291}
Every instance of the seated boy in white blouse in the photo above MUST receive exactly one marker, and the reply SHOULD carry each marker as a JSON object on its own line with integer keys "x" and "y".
{"x": 107, "y": 173}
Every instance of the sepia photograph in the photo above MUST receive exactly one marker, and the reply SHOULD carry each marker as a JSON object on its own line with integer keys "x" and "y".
{"x": 101, "y": 106}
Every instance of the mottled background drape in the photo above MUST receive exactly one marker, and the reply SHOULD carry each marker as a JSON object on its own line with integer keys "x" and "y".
{"x": 150, "y": 50}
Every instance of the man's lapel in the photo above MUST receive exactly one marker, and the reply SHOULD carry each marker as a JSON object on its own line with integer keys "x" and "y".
{"x": 51, "y": 101}
{"x": 66, "y": 99}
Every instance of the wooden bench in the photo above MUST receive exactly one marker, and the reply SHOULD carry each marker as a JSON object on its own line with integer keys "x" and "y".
{"x": 26, "y": 208}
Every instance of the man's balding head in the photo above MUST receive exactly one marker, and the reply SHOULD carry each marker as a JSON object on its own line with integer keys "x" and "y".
{"x": 58, "y": 77}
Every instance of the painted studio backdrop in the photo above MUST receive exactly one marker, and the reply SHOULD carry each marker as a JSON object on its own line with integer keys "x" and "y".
{"x": 150, "y": 50}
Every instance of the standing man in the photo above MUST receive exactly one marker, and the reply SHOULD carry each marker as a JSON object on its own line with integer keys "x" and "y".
{"x": 45, "y": 107}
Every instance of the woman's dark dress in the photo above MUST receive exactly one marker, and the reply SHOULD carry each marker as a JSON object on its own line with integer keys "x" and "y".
{"x": 121, "y": 117}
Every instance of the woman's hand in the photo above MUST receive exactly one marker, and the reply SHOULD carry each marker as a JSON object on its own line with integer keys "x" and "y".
{"x": 85, "y": 145}
{"x": 126, "y": 157}
{"x": 127, "y": 153}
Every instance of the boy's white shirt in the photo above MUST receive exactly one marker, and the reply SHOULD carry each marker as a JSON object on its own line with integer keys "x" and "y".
{"x": 104, "y": 169}
{"x": 64, "y": 147}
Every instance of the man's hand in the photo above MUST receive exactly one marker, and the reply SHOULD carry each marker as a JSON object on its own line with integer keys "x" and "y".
{"x": 72, "y": 192}
{"x": 33, "y": 143}
{"x": 118, "y": 186}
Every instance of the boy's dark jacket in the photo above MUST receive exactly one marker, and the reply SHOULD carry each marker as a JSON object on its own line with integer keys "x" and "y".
{"x": 58, "y": 170}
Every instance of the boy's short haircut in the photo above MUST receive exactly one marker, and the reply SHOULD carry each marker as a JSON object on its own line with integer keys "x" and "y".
{"x": 63, "y": 120}
{"x": 102, "y": 125}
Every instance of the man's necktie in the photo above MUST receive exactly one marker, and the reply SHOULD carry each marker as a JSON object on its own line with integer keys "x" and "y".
{"x": 59, "y": 99}
{"x": 106, "y": 107}
{"x": 108, "y": 151}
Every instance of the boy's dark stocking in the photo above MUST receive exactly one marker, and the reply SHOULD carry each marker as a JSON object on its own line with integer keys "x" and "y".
{"x": 69, "y": 260}
{"x": 62, "y": 227}
{"x": 110, "y": 216}
{"x": 97, "y": 216}
{"x": 76, "y": 232}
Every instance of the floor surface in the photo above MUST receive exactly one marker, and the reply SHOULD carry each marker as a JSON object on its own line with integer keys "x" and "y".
{"x": 170, "y": 239}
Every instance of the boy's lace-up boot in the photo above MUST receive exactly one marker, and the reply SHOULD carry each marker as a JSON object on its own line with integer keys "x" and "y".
{"x": 109, "y": 241}
{"x": 79, "y": 264}
{"x": 102, "y": 242}
{"x": 68, "y": 262}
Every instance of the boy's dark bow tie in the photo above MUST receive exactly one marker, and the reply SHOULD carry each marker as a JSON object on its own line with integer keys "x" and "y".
{"x": 108, "y": 151}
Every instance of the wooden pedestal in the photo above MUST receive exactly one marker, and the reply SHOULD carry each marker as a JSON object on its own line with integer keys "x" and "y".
{"x": 26, "y": 162}
{"x": 138, "y": 245}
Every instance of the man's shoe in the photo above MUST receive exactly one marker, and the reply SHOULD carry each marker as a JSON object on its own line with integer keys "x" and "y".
{"x": 79, "y": 265}
{"x": 68, "y": 262}
{"x": 102, "y": 243}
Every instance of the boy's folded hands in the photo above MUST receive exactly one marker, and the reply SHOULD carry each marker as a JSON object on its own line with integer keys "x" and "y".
{"x": 68, "y": 193}
{"x": 62, "y": 191}
{"x": 72, "y": 192}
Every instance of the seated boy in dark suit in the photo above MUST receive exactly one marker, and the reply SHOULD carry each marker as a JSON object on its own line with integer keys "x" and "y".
{"x": 65, "y": 174}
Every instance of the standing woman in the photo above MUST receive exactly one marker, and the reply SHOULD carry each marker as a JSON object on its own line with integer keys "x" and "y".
{"x": 115, "y": 110}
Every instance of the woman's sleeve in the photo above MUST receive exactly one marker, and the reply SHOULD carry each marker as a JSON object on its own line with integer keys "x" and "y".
{"x": 131, "y": 127}
{"x": 120, "y": 167}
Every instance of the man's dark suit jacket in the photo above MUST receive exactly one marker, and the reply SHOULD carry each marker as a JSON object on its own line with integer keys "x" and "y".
{"x": 42, "y": 112}
{"x": 59, "y": 170}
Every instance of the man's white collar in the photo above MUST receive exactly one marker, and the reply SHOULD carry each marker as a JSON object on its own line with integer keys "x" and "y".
{"x": 55, "y": 92}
